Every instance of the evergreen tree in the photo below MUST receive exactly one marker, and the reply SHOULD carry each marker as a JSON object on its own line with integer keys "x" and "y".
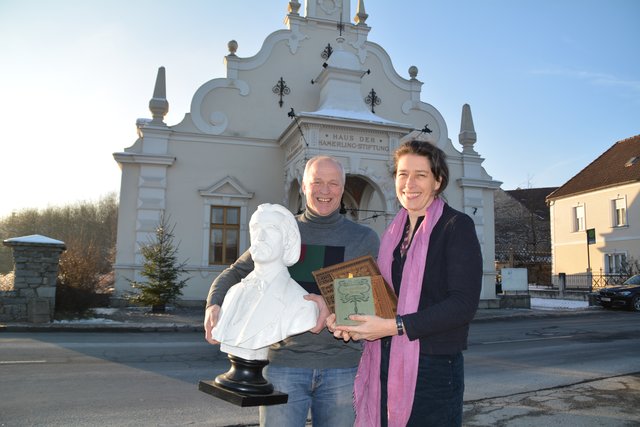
{"x": 161, "y": 269}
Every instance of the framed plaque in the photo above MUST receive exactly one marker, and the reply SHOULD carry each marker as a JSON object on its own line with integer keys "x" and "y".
{"x": 384, "y": 299}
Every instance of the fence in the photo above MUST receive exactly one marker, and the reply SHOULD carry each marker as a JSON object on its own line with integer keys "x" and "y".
{"x": 537, "y": 263}
{"x": 587, "y": 282}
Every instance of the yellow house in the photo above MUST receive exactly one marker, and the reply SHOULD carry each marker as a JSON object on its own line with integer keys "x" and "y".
{"x": 595, "y": 216}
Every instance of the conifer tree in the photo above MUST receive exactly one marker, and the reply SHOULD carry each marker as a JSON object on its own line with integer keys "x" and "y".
{"x": 161, "y": 269}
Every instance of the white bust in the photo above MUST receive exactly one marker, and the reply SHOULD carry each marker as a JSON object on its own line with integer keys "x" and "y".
{"x": 267, "y": 306}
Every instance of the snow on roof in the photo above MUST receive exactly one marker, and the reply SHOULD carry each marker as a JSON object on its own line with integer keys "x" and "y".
{"x": 365, "y": 116}
{"x": 35, "y": 239}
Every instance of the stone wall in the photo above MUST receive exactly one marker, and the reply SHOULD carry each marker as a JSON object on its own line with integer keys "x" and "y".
{"x": 33, "y": 297}
{"x": 12, "y": 307}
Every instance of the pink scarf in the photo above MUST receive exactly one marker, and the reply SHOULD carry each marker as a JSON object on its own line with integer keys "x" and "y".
{"x": 403, "y": 363}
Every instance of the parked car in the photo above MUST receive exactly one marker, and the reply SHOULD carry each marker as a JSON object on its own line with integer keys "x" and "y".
{"x": 626, "y": 295}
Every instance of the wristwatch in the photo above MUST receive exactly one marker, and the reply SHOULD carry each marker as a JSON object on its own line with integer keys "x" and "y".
{"x": 399, "y": 325}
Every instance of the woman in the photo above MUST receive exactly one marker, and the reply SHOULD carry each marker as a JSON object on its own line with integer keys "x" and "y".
{"x": 411, "y": 371}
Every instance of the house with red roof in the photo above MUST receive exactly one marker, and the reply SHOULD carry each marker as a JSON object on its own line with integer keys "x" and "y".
{"x": 595, "y": 216}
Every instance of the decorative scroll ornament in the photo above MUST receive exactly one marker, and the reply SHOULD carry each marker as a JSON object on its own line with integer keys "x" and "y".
{"x": 330, "y": 6}
{"x": 281, "y": 89}
{"x": 373, "y": 100}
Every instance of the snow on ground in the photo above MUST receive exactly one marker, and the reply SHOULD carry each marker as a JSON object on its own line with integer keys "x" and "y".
{"x": 536, "y": 304}
{"x": 104, "y": 310}
{"x": 92, "y": 320}
{"x": 88, "y": 321}
{"x": 554, "y": 304}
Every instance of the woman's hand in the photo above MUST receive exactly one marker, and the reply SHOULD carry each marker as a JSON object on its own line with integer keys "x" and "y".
{"x": 370, "y": 328}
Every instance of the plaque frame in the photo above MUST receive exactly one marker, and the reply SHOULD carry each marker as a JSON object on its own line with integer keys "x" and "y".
{"x": 385, "y": 299}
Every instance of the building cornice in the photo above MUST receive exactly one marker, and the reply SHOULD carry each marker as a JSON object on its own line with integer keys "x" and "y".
{"x": 479, "y": 183}
{"x": 146, "y": 159}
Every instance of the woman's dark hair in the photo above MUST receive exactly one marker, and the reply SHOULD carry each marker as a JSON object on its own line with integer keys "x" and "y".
{"x": 436, "y": 157}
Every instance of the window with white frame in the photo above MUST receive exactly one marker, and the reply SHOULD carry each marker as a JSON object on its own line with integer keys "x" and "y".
{"x": 613, "y": 262}
{"x": 619, "y": 212}
{"x": 225, "y": 235}
{"x": 578, "y": 218}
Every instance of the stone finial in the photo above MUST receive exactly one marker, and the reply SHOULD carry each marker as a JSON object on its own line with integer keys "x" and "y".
{"x": 294, "y": 6}
{"x": 467, "y": 136}
{"x": 158, "y": 105}
{"x": 233, "y": 47}
{"x": 361, "y": 14}
{"x": 413, "y": 72}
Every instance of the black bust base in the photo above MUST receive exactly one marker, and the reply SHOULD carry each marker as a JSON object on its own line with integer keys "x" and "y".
{"x": 245, "y": 376}
{"x": 243, "y": 384}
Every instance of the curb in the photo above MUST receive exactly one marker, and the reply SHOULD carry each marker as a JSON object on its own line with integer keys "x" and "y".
{"x": 79, "y": 327}
{"x": 536, "y": 313}
{"x": 485, "y": 316}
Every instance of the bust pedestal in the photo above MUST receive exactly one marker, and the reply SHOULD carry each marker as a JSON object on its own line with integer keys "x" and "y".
{"x": 243, "y": 384}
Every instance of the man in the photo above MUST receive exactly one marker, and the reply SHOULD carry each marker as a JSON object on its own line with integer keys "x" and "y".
{"x": 267, "y": 306}
{"x": 315, "y": 369}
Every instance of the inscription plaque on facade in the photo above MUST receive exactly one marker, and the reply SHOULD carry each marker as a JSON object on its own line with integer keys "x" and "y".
{"x": 353, "y": 141}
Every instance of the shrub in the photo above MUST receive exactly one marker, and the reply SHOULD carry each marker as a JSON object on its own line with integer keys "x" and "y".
{"x": 78, "y": 279}
{"x": 6, "y": 281}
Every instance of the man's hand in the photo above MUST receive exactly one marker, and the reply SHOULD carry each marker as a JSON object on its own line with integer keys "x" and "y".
{"x": 331, "y": 326}
{"x": 323, "y": 312}
{"x": 210, "y": 321}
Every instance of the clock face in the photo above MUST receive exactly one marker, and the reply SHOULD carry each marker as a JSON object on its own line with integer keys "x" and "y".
{"x": 330, "y": 6}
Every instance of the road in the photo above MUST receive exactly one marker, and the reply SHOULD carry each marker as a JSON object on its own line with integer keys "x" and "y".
{"x": 111, "y": 379}
{"x": 145, "y": 379}
{"x": 528, "y": 354}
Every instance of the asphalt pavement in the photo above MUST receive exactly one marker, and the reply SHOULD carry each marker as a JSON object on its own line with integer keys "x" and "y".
{"x": 611, "y": 402}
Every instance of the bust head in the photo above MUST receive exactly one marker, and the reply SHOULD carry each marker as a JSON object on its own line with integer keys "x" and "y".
{"x": 274, "y": 235}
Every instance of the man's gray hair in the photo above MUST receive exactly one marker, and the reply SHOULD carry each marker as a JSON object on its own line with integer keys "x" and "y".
{"x": 290, "y": 231}
{"x": 315, "y": 159}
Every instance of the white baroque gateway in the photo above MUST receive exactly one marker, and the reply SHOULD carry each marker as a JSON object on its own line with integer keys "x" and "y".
{"x": 315, "y": 87}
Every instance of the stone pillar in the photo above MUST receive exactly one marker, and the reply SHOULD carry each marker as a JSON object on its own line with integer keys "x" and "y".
{"x": 36, "y": 261}
{"x": 562, "y": 284}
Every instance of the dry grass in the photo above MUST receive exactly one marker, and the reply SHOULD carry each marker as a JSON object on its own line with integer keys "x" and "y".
{"x": 6, "y": 281}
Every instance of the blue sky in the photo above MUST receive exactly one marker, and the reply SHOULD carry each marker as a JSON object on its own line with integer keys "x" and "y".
{"x": 551, "y": 83}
